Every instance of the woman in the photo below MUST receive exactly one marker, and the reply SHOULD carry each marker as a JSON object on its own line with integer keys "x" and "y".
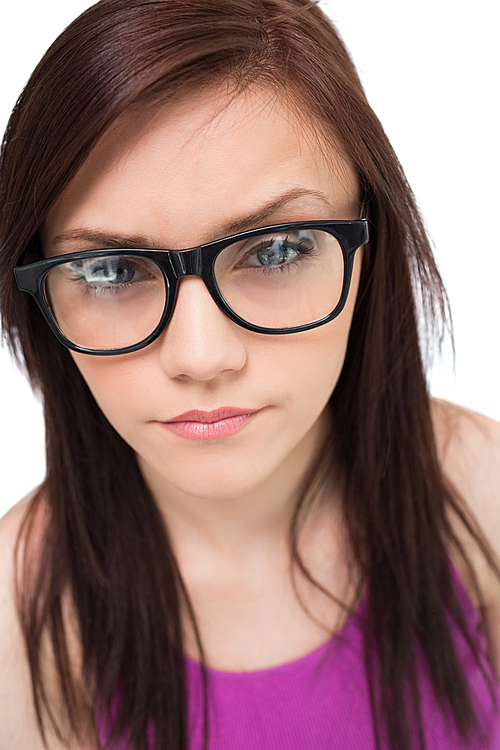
{"x": 218, "y": 265}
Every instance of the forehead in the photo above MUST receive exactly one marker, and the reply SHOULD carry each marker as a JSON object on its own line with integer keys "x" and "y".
{"x": 179, "y": 173}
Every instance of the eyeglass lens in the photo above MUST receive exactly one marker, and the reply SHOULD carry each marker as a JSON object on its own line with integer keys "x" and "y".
{"x": 277, "y": 280}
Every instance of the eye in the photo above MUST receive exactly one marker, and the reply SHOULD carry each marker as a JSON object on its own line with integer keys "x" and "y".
{"x": 108, "y": 270}
{"x": 276, "y": 251}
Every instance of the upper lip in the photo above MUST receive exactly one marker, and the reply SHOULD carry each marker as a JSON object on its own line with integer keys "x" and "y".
{"x": 225, "y": 412}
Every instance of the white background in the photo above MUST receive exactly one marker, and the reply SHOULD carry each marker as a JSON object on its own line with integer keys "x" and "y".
{"x": 430, "y": 70}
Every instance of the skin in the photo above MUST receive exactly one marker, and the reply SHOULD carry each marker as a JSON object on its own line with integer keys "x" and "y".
{"x": 199, "y": 170}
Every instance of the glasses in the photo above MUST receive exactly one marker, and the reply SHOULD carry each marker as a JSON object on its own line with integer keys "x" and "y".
{"x": 280, "y": 279}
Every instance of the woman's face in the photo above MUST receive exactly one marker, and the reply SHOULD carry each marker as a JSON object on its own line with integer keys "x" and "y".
{"x": 190, "y": 173}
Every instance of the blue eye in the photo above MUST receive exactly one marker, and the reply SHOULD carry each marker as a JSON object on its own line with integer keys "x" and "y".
{"x": 105, "y": 271}
{"x": 277, "y": 251}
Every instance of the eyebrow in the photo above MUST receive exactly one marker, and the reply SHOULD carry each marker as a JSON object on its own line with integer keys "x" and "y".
{"x": 250, "y": 221}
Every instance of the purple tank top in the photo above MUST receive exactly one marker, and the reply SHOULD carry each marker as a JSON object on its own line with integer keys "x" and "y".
{"x": 320, "y": 701}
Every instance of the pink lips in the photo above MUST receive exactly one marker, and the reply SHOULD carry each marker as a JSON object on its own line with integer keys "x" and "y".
{"x": 209, "y": 425}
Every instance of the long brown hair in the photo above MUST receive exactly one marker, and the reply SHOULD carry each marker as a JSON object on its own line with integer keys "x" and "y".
{"x": 105, "y": 540}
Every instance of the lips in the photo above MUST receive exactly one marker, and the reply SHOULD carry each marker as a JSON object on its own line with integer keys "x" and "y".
{"x": 208, "y": 417}
{"x": 210, "y": 425}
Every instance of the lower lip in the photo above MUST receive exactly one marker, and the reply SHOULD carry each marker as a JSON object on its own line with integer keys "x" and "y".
{"x": 209, "y": 430}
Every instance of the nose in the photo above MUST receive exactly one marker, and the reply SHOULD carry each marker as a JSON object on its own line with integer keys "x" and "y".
{"x": 200, "y": 342}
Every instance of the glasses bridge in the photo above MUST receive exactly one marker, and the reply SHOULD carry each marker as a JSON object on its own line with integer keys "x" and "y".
{"x": 186, "y": 262}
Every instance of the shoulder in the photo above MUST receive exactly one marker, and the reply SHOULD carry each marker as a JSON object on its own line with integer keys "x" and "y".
{"x": 468, "y": 445}
{"x": 468, "y": 436}
{"x": 15, "y": 709}
{"x": 18, "y": 727}
{"x": 10, "y": 527}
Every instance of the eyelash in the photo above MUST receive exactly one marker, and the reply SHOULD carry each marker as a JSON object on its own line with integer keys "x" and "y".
{"x": 304, "y": 251}
{"x": 102, "y": 289}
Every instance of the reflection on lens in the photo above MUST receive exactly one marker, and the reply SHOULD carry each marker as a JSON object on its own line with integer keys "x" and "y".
{"x": 106, "y": 302}
{"x": 282, "y": 280}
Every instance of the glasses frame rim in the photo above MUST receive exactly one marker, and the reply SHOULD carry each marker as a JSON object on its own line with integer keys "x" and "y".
{"x": 195, "y": 261}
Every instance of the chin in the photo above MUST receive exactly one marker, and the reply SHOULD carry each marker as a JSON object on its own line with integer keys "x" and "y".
{"x": 204, "y": 482}
{"x": 219, "y": 487}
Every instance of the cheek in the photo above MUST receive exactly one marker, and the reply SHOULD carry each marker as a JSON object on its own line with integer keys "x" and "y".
{"x": 321, "y": 352}
{"x": 301, "y": 371}
{"x": 114, "y": 383}
{"x": 323, "y": 356}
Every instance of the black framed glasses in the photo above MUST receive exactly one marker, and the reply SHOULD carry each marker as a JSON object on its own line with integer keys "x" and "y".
{"x": 280, "y": 279}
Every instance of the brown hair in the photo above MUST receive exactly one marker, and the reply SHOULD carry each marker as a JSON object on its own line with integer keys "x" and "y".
{"x": 105, "y": 540}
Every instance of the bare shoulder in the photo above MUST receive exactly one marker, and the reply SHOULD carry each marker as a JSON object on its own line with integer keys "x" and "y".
{"x": 466, "y": 435}
{"x": 18, "y": 727}
{"x": 469, "y": 450}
